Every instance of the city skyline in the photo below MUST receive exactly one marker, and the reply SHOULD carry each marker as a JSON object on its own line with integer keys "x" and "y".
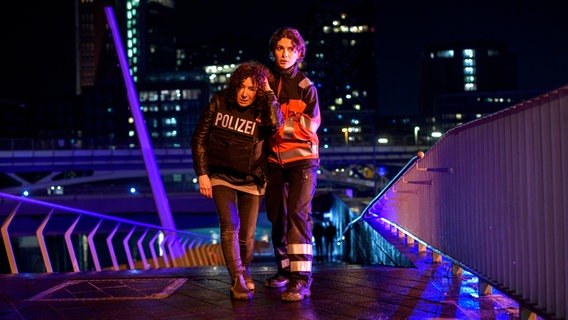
{"x": 40, "y": 59}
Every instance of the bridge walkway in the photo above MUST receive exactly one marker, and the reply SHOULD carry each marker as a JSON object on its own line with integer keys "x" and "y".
{"x": 340, "y": 291}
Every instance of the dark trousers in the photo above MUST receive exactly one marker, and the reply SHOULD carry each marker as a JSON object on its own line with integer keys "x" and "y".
{"x": 237, "y": 212}
{"x": 289, "y": 197}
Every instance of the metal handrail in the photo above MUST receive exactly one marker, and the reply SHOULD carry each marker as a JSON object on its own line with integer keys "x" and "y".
{"x": 410, "y": 162}
{"x": 89, "y": 224}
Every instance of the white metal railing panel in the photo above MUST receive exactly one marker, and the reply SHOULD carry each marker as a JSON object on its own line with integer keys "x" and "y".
{"x": 78, "y": 229}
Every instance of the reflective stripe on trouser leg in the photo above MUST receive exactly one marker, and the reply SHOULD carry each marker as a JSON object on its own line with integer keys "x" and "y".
{"x": 300, "y": 256}
{"x": 282, "y": 258}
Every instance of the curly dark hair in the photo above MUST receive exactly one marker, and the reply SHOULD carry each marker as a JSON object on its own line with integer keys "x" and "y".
{"x": 288, "y": 33}
{"x": 258, "y": 74}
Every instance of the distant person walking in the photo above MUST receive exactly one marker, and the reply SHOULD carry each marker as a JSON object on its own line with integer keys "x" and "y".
{"x": 329, "y": 233}
{"x": 317, "y": 232}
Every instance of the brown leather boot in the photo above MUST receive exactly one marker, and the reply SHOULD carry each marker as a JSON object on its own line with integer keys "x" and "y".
{"x": 239, "y": 290}
{"x": 248, "y": 280}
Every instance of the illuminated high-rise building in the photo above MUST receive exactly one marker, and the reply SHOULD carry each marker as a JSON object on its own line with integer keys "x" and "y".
{"x": 170, "y": 100}
{"x": 466, "y": 80}
{"x": 341, "y": 61}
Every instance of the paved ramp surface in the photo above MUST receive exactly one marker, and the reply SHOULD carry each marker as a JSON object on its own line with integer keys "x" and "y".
{"x": 340, "y": 291}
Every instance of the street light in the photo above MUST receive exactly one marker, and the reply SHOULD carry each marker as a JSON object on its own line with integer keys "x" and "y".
{"x": 346, "y": 135}
{"x": 416, "y": 129}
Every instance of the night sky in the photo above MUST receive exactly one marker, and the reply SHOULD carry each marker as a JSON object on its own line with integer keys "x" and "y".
{"x": 534, "y": 31}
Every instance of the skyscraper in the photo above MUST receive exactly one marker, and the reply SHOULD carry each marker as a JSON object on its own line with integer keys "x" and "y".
{"x": 341, "y": 61}
{"x": 170, "y": 100}
{"x": 466, "y": 70}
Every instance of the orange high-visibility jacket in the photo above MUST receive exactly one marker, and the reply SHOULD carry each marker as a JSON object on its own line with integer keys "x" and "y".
{"x": 297, "y": 139}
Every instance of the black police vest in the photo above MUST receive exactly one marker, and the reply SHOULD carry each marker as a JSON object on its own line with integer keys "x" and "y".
{"x": 234, "y": 140}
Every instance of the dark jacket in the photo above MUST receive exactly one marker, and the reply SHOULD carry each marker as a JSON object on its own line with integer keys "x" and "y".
{"x": 230, "y": 140}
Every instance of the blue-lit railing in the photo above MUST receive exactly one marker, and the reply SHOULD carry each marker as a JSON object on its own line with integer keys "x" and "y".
{"x": 36, "y": 231}
{"x": 490, "y": 196}
{"x": 394, "y": 179}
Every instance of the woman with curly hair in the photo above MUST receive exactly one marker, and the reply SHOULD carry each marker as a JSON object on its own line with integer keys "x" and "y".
{"x": 229, "y": 158}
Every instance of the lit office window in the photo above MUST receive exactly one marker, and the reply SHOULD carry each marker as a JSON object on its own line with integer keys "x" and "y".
{"x": 469, "y": 70}
{"x": 470, "y": 87}
{"x": 170, "y": 121}
{"x": 153, "y": 96}
{"x": 191, "y": 94}
{"x": 469, "y": 53}
{"x": 170, "y": 134}
{"x": 445, "y": 54}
